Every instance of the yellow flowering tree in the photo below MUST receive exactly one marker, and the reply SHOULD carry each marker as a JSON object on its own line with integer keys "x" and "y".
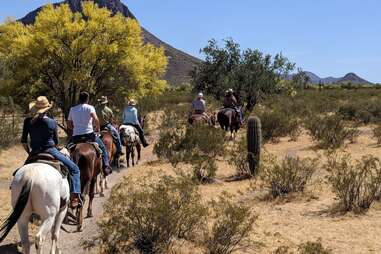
{"x": 64, "y": 53}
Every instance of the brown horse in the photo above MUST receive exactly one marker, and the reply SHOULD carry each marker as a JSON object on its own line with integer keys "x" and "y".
{"x": 199, "y": 119}
{"x": 108, "y": 140}
{"x": 90, "y": 164}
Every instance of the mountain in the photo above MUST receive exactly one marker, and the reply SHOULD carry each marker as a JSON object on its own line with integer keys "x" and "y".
{"x": 350, "y": 77}
{"x": 179, "y": 63}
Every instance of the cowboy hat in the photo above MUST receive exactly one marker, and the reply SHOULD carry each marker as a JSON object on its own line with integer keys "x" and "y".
{"x": 40, "y": 106}
{"x": 103, "y": 100}
{"x": 132, "y": 102}
{"x": 200, "y": 95}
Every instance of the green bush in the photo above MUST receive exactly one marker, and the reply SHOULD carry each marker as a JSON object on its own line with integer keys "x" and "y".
{"x": 313, "y": 248}
{"x": 146, "y": 216}
{"x": 198, "y": 146}
{"x": 232, "y": 225}
{"x": 356, "y": 184}
{"x": 330, "y": 131}
{"x": 238, "y": 158}
{"x": 277, "y": 123}
{"x": 288, "y": 176}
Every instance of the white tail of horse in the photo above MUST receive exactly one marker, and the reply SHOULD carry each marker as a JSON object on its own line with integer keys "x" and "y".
{"x": 37, "y": 189}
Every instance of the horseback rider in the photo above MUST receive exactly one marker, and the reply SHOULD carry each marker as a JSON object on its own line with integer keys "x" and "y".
{"x": 230, "y": 101}
{"x": 81, "y": 120}
{"x": 130, "y": 117}
{"x": 199, "y": 105}
{"x": 42, "y": 131}
{"x": 106, "y": 116}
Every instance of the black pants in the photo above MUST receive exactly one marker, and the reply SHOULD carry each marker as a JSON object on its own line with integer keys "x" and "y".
{"x": 140, "y": 131}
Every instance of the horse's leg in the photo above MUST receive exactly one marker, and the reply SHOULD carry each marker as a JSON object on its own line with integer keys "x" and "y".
{"x": 139, "y": 150}
{"x": 80, "y": 217}
{"x": 91, "y": 198}
{"x": 102, "y": 180}
{"x": 128, "y": 156}
{"x": 106, "y": 182}
{"x": 22, "y": 225}
{"x": 133, "y": 155}
{"x": 56, "y": 231}
{"x": 46, "y": 226}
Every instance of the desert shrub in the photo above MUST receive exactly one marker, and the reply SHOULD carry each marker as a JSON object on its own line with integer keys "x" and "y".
{"x": 377, "y": 133}
{"x": 283, "y": 250}
{"x": 277, "y": 123}
{"x": 330, "y": 131}
{"x": 313, "y": 248}
{"x": 9, "y": 130}
{"x": 289, "y": 175}
{"x": 147, "y": 216}
{"x": 198, "y": 146}
{"x": 357, "y": 184}
{"x": 238, "y": 158}
{"x": 232, "y": 225}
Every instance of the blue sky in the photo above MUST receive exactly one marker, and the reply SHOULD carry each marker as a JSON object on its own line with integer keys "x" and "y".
{"x": 327, "y": 37}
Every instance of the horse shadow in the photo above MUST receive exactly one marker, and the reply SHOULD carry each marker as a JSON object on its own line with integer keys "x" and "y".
{"x": 9, "y": 249}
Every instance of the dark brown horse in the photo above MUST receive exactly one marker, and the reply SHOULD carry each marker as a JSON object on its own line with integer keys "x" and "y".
{"x": 90, "y": 164}
{"x": 108, "y": 140}
{"x": 229, "y": 119}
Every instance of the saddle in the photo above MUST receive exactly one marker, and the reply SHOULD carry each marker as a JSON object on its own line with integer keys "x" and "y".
{"x": 71, "y": 146}
{"x": 48, "y": 159}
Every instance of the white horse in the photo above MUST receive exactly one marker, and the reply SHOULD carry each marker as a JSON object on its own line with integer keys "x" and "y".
{"x": 40, "y": 189}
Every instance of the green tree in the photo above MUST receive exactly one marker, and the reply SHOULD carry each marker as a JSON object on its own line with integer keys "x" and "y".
{"x": 63, "y": 53}
{"x": 252, "y": 74}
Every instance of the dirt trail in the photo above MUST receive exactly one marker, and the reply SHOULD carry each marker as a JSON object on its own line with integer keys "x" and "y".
{"x": 70, "y": 241}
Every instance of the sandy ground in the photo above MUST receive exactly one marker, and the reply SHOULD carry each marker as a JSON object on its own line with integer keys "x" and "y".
{"x": 287, "y": 222}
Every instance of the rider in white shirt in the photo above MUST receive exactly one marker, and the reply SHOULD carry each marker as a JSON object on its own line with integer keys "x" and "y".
{"x": 82, "y": 118}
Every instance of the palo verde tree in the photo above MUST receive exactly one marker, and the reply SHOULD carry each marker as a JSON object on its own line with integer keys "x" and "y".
{"x": 63, "y": 53}
{"x": 252, "y": 74}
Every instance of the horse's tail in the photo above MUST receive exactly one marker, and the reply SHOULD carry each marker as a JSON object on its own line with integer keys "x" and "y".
{"x": 18, "y": 209}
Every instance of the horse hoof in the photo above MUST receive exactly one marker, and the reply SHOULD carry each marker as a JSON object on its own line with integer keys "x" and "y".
{"x": 89, "y": 215}
{"x": 79, "y": 229}
{"x": 102, "y": 195}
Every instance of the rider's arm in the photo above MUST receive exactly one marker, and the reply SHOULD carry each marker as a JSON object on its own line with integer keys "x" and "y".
{"x": 70, "y": 124}
{"x": 96, "y": 121}
{"x": 24, "y": 136}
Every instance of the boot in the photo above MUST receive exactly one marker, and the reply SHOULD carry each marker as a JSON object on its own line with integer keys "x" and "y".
{"x": 75, "y": 200}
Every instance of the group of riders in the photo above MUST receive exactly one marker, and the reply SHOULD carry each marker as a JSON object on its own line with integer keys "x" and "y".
{"x": 85, "y": 121}
{"x": 230, "y": 102}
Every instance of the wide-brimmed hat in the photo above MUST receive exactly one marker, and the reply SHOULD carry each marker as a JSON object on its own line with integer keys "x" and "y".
{"x": 40, "y": 106}
{"x": 132, "y": 102}
{"x": 200, "y": 95}
{"x": 103, "y": 100}
{"x": 229, "y": 91}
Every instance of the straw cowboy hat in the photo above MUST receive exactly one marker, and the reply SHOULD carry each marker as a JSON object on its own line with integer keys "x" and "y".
{"x": 40, "y": 106}
{"x": 132, "y": 102}
{"x": 103, "y": 100}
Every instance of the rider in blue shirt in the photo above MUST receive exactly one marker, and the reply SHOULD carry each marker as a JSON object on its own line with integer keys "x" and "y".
{"x": 42, "y": 132}
{"x": 130, "y": 117}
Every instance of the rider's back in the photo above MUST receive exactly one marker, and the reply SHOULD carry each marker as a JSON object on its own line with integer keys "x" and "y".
{"x": 42, "y": 132}
{"x": 82, "y": 120}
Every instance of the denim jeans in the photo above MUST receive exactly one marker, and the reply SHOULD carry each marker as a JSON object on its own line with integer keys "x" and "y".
{"x": 105, "y": 158}
{"x": 116, "y": 135}
{"x": 93, "y": 138}
{"x": 75, "y": 174}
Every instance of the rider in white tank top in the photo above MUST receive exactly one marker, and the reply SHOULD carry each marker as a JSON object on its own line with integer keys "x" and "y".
{"x": 81, "y": 116}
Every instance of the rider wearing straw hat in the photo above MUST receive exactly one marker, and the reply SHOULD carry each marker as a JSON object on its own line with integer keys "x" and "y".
{"x": 130, "y": 117}
{"x": 106, "y": 117}
{"x": 42, "y": 131}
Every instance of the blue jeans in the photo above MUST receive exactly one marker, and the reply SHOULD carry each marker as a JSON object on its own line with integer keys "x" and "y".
{"x": 116, "y": 135}
{"x": 105, "y": 158}
{"x": 75, "y": 174}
